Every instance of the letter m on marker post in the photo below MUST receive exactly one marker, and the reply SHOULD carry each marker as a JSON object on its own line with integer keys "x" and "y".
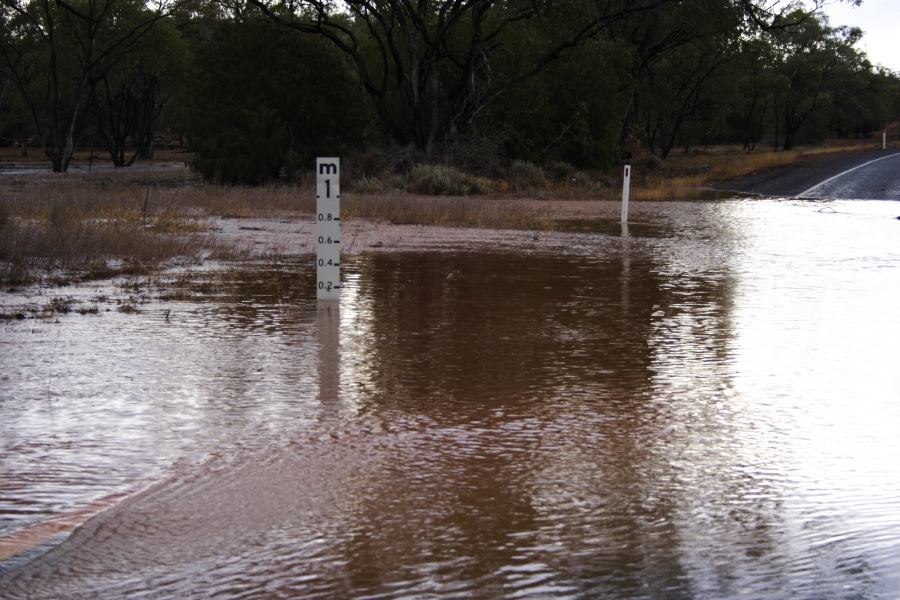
{"x": 328, "y": 169}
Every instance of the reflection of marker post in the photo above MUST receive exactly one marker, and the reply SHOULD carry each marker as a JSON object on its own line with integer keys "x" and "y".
{"x": 626, "y": 192}
{"x": 328, "y": 228}
{"x": 329, "y": 314}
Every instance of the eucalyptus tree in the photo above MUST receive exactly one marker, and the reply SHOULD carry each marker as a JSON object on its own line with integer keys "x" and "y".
{"x": 52, "y": 50}
{"x": 128, "y": 98}
{"x": 815, "y": 64}
{"x": 264, "y": 102}
{"x": 431, "y": 66}
{"x": 679, "y": 61}
{"x": 862, "y": 103}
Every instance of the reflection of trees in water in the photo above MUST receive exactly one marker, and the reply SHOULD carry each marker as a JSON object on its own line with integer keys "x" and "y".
{"x": 472, "y": 330}
{"x": 575, "y": 414}
{"x": 528, "y": 421}
{"x": 535, "y": 375}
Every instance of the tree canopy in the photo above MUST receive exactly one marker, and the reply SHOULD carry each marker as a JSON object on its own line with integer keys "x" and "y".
{"x": 256, "y": 87}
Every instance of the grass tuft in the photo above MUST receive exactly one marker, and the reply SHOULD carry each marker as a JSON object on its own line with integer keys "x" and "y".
{"x": 59, "y": 305}
{"x": 477, "y": 211}
{"x": 63, "y": 230}
{"x": 442, "y": 180}
{"x": 92, "y": 231}
{"x": 524, "y": 176}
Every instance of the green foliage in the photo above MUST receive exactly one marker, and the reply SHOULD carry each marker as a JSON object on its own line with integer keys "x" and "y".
{"x": 571, "y": 112}
{"x": 129, "y": 98}
{"x": 524, "y": 175}
{"x": 497, "y": 89}
{"x": 55, "y": 52}
{"x": 803, "y": 82}
{"x": 441, "y": 180}
{"x": 267, "y": 100}
{"x": 649, "y": 163}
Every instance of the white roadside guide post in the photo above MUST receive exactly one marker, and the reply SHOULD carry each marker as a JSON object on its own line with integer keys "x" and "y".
{"x": 626, "y": 192}
{"x": 328, "y": 228}
{"x": 884, "y": 139}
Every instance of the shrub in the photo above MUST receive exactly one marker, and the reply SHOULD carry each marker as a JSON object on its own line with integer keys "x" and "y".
{"x": 480, "y": 155}
{"x": 441, "y": 180}
{"x": 377, "y": 162}
{"x": 649, "y": 162}
{"x": 561, "y": 170}
{"x": 377, "y": 185}
{"x": 366, "y": 185}
{"x": 524, "y": 175}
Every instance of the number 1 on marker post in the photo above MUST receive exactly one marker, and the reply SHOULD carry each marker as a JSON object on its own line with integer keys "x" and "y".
{"x": 328, "y": 228}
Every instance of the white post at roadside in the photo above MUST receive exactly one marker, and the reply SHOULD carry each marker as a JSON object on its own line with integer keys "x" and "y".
{"x": 884, "y": 139}
{"x": 626, "y": 192}
{"x": 328, "y": 228}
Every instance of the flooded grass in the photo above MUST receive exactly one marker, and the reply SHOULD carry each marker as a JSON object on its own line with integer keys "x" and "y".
{"x": 503, "y": 420}
{"x": 86, "y": 226}
{"x": 61, "y": 234}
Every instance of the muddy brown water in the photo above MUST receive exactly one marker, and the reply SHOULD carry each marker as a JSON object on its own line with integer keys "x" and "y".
{"x": 708, "y": 407}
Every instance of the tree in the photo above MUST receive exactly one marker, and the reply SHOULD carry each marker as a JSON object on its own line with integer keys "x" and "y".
{"x": 430, "y": 66}
{"x": 812, "y": 58}
{"x": 750, "y": 104}
{"x": 266, "y": 101}
{"x": 572, "y": 112}
{"x": 67, "y": 45}
{"x": 128, "y": 98}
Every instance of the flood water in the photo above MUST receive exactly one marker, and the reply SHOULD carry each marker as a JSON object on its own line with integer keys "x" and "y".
{"x": 708, "y": 407}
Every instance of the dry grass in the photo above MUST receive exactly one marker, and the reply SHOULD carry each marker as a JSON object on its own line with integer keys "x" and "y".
{"x": 497, "y": 210}
{"x": 104, "y": 223}
{"x": 471, "y": 211}
{"x": 684, "y": 177}
{"x": 244, "y": 201}
{"x": 66, "y": 231}
{"x": 85, "y": 157}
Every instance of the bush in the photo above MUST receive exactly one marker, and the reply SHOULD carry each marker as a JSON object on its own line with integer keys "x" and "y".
{"x": 377, "y": 185}
{"x": 475, "y": 154}
{"x": 441, "y": 180}
{"x": 650, "y": 162}
{"x": 524, "y": 175}
{"x": 561, "y": 170}
{"x": 379, "y": 162}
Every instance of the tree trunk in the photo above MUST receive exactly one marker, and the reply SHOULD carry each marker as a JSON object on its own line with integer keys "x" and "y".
{"x": 789, "y": 142}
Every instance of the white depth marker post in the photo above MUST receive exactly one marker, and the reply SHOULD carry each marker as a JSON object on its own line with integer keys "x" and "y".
{"x": 626, "y": 192}
{"x": 328, "y": 228}
{"x": 884, "y": 140}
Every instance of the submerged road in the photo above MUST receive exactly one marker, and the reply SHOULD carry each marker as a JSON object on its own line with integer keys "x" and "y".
{"x": 869, "y": 175}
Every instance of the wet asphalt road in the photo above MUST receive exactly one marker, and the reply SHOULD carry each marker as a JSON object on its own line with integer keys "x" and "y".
{"x": 869, "y": 175}
{"x": 875, "y": 180}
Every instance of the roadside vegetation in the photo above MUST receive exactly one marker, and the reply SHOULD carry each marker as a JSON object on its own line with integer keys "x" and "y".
{"x": 470, "y": 95}
{"x": 104, "y": 224}
{"x": 444, "y": 113}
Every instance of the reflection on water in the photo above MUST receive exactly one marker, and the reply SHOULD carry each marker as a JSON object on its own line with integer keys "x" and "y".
{"x": 709, "y": 411}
